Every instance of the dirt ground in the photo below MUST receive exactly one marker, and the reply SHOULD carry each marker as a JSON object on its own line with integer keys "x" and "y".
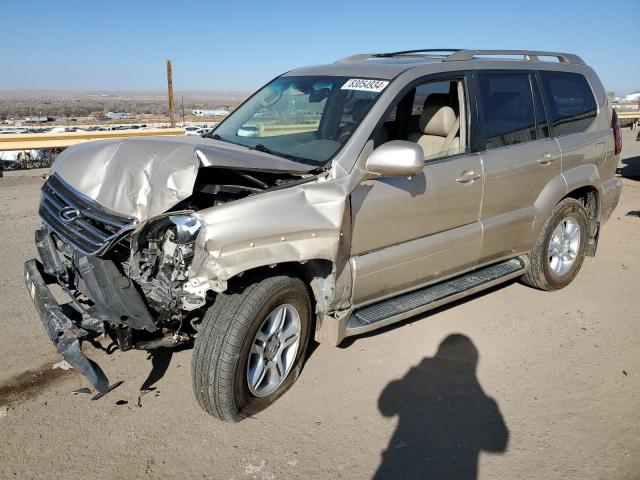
{"x": 512, "y": 384}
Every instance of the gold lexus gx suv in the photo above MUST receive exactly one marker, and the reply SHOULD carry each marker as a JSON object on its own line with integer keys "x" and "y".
{"x": 334, "y": 201}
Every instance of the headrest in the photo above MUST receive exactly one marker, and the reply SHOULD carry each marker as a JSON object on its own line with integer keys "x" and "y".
{"x": 436, "y": 120}
{"x": 439, "y": 99}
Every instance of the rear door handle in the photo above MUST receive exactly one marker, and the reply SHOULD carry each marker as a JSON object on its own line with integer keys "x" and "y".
{"x": 546, "y": 159}
{"x": 468, "y": 176}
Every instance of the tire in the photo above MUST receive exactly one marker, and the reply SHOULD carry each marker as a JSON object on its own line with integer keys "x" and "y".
{"x": 545, "y": 272}
{"x": 225, "y": 340}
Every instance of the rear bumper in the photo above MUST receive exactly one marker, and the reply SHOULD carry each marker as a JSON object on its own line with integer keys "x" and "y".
{"x": 65, "y": 333}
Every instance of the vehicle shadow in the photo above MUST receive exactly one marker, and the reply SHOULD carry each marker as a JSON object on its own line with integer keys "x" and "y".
{"x": 445, "y": 418}
{"x": 349, "y": 341}
{"x": 160, "y": 360}
{"x": 630, "y": 168}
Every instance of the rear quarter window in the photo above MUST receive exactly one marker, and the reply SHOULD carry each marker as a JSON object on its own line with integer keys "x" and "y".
{"x": 571, "y": 102}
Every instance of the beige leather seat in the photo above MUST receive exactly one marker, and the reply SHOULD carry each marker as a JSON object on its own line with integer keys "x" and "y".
{"x": 439, "y": 129}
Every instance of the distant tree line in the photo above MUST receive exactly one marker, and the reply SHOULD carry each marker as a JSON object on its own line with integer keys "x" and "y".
{"x": 92, "y": 107}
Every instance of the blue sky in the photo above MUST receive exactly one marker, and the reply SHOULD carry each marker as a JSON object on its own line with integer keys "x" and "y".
{"x": 239, "y": 45}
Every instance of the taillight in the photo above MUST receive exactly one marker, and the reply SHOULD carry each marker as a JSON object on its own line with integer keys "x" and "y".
{"x": 617, "y": 134}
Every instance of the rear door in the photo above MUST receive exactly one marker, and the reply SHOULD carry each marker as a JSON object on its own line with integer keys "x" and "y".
{"x": 519, "y": 159}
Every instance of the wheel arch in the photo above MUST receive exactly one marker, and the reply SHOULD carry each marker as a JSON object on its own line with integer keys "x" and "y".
{"x": 580, "y": 183}
{"x": 590, "y": 198}
{"x": 317, "y": 275}
{"x": 586, "y": 193}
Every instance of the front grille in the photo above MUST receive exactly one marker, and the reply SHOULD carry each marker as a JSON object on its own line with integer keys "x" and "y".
{"x": 78, "y": 220}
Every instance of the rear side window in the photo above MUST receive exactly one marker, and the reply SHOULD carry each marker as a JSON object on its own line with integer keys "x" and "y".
{"x": 573, "y": 107}
{"x": 509, "y": 114}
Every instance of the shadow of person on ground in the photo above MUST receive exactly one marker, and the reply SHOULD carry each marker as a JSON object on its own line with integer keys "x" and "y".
{"x": 445, "y": 418}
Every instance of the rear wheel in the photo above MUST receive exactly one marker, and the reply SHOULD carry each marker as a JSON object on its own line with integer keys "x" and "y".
{"x": 251, "y": 346}
{"x": 560, "y": 249}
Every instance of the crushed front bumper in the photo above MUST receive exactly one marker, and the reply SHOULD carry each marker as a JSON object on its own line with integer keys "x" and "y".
{"x": 65, "y": 333}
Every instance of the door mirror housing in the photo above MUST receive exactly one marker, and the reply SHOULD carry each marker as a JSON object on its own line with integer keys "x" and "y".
{"x": 397, "y": 158}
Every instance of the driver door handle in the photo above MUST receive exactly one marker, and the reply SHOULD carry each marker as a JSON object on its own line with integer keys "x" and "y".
{"x": 546, "y": 159}
{"x": 468, "y": 176}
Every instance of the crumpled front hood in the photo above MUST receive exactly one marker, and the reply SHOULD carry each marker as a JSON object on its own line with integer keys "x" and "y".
{"x": 144, "y": 177}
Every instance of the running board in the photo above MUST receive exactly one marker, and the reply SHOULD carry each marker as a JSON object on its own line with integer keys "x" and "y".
{"x": 409, "y": 304}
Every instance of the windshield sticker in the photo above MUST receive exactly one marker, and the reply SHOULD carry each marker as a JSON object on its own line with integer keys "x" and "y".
{"x": 365, "y": 85}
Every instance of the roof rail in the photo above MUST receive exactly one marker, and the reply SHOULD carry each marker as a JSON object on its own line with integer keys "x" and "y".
{"x": 363, "y": 56}
{"x": 422, "y": 50}
{"x": 531, "y": 55}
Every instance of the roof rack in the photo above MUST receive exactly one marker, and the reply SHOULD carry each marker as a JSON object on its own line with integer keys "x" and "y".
{"x": 422, "y": 50}
{"x": 454, "y": 54}
{"x": 530, "y": 55}
{"x": 427, "y": 51}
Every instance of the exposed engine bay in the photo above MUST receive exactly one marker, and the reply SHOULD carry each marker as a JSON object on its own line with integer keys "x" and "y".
{"x": 215, "y": 186}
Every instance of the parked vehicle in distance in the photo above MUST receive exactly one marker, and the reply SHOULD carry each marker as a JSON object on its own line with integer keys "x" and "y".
{"x": 191, "y": 130}
{"x": 9, "y": 164}
{"x": 14, "y": 131}
{"x": 65, "y": 130}
{"x": 336, "y": 200}
{"x": 249, "y": 131}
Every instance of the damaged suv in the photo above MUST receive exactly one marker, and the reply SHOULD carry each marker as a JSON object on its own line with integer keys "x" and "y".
{"x": 368, "y": 191}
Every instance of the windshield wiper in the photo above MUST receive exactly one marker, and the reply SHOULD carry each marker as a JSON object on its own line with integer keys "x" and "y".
{"x": 261, "y": 148}
{"x": 215, "y": 136}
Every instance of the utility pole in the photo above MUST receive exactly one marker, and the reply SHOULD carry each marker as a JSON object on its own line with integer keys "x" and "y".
{"x": 170, "y": 92}
{"x": 182, "y": 101}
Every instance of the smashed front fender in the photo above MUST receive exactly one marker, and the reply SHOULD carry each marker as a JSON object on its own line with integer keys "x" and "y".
{"x": 294, "y": 224}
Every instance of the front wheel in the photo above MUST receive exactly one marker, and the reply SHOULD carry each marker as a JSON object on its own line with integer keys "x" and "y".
{"x": 560, "y": 249}
{"x": 251, "y": 346}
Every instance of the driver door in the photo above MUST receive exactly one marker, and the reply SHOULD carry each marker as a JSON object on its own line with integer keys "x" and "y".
{"x": 408, "y": 232}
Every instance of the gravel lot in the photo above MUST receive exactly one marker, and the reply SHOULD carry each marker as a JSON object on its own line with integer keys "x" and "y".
{"x": 512, "y": 384}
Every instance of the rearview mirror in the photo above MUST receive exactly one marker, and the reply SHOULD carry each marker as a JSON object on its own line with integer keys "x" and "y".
{"x": 319, "y": 95}
{"x": 397, "y": 158}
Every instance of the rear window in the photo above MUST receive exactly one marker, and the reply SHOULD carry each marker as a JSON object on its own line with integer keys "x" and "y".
{"x": 571, "y": 102}
{"x": 509, "y": 114}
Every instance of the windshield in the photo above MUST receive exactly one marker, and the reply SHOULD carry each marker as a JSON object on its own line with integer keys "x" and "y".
{"x": 306, "y": 119}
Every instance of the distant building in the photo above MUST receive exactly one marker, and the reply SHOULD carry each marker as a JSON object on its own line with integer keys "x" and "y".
{"x": 39, "y": 119}
{"x": 632, "y": 97}
{"x": 117, "y": 115}
{"x": 210, "y": 113}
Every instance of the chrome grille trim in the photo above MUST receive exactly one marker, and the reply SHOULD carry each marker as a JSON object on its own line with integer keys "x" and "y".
{"x": 93, "y": 231}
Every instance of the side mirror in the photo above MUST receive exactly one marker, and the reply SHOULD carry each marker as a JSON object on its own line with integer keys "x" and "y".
{"x": 397, "y": 158}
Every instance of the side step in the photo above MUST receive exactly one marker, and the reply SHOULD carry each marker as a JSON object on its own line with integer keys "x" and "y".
{"x": 408, "y": 304}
